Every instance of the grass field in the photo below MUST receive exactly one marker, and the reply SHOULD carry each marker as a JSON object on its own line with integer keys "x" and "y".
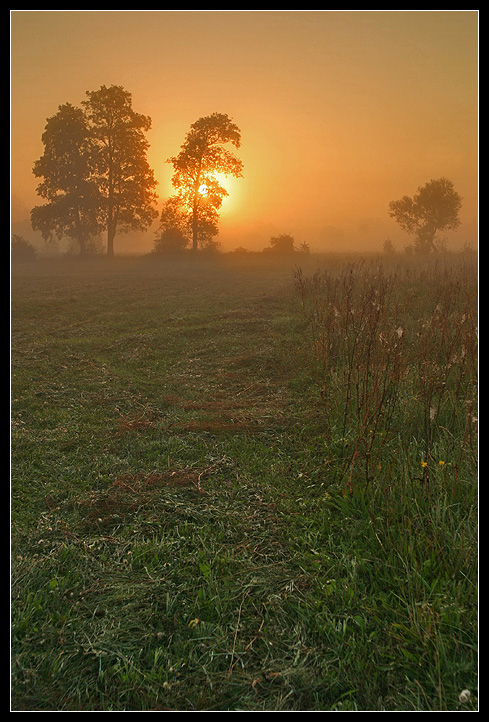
{"x": 244, "y": 486}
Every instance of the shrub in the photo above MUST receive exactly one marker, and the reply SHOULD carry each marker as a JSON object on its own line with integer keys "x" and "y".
{"x": 22, "y": 250}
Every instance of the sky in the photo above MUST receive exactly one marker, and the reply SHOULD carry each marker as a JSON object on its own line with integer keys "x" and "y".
{"x": 340, "y": 112}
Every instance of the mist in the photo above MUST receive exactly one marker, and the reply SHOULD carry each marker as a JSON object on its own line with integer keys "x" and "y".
{"x": 244, "y": 361}
{"x": 340, "y": 112}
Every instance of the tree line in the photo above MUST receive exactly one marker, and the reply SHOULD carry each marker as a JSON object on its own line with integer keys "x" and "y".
{"x": 96, "y": 178}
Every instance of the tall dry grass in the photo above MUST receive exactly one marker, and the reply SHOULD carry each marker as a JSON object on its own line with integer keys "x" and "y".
{"x": 395, "y": 351}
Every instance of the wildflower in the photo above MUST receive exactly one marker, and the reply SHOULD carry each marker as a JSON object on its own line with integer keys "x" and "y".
{"x": 464, "y": 696}
{"x": 424, "y": 464}
{"x": 442, "y": 463}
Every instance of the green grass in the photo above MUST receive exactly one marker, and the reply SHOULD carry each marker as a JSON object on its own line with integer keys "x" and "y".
{"x": 194, "y": 527}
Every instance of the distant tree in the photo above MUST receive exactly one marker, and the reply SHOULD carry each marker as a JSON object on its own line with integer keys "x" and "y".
{"x": 21, "y": 250}
{"x": 304, "y": 248}
{"x": 435, "y": 207}
{"x": 68, "y": 186}
{"x": 125, "y": 180}
{"x": 202, "y": 156}
{"x": 281, "y": 244}
{"x": 388, "y": 247}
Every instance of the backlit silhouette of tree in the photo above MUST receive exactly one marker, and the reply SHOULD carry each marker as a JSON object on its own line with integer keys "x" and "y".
{"x": 124, "y": 177}
{"x": 68, "y": 184}
{"x": 95, "y": 172}
{"x": 203, "y": 155}
{"x": 434, "y": 207}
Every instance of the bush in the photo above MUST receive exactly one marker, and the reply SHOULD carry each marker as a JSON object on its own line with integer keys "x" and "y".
{"x": 281, "y": 244}
{"x": 172, "y": 240}
{"x": 22, "y": 250}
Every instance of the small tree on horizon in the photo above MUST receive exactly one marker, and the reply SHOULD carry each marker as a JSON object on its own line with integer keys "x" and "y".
{"x": 282, "y": 244}
{"x": 434, "y": 207}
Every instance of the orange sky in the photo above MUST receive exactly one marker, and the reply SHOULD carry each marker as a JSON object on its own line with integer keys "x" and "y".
{"x": 340, "y": 111}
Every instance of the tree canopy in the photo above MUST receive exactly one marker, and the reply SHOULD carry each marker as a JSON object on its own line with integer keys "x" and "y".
{"x": 282, "y": 244}
{"x": 123, "y": 174}
{"x": 434, "y": 207}
{"x": 68, "y": 185}
{"x": 95, "y": 170}
{"x": 203, "y": 155}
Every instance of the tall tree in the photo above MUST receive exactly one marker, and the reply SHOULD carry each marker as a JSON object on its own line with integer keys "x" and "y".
{"x": 124, "y": 177}
{"x": 203, "y": 155}
{"x": 68, "y": 186}
{"x": 434, "y": 207}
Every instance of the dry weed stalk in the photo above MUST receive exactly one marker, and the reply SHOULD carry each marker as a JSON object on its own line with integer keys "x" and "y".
{"x": 395, "y": 354}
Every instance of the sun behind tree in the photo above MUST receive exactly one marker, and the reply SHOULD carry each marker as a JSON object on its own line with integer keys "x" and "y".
{"x": 202, "y": 158}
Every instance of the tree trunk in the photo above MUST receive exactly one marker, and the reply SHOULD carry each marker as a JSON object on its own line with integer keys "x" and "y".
{"x": 80, "y": 232}
{"x": 111, "y": 221}
{"x": 195, "y": 210}
{"x": 195, "y": 223}
{"x": 110, "y": 245}
{"x": 111, "y": 228}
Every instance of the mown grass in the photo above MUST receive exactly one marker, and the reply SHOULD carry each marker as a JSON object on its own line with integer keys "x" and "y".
{"x": 197, "y": 525}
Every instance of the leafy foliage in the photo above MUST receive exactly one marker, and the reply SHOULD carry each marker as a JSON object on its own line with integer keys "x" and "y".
{"x": 69, "y": 186}
{"x": 95, "y": 172}
{"x": 433, "y": 208}
{"x": 282, "y": 244}
{"x": 122, "y": 172}
{"x": 203, "y": 155}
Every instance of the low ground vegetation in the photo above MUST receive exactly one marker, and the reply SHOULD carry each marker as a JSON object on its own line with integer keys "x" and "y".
{"x": 242, "y": 486}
